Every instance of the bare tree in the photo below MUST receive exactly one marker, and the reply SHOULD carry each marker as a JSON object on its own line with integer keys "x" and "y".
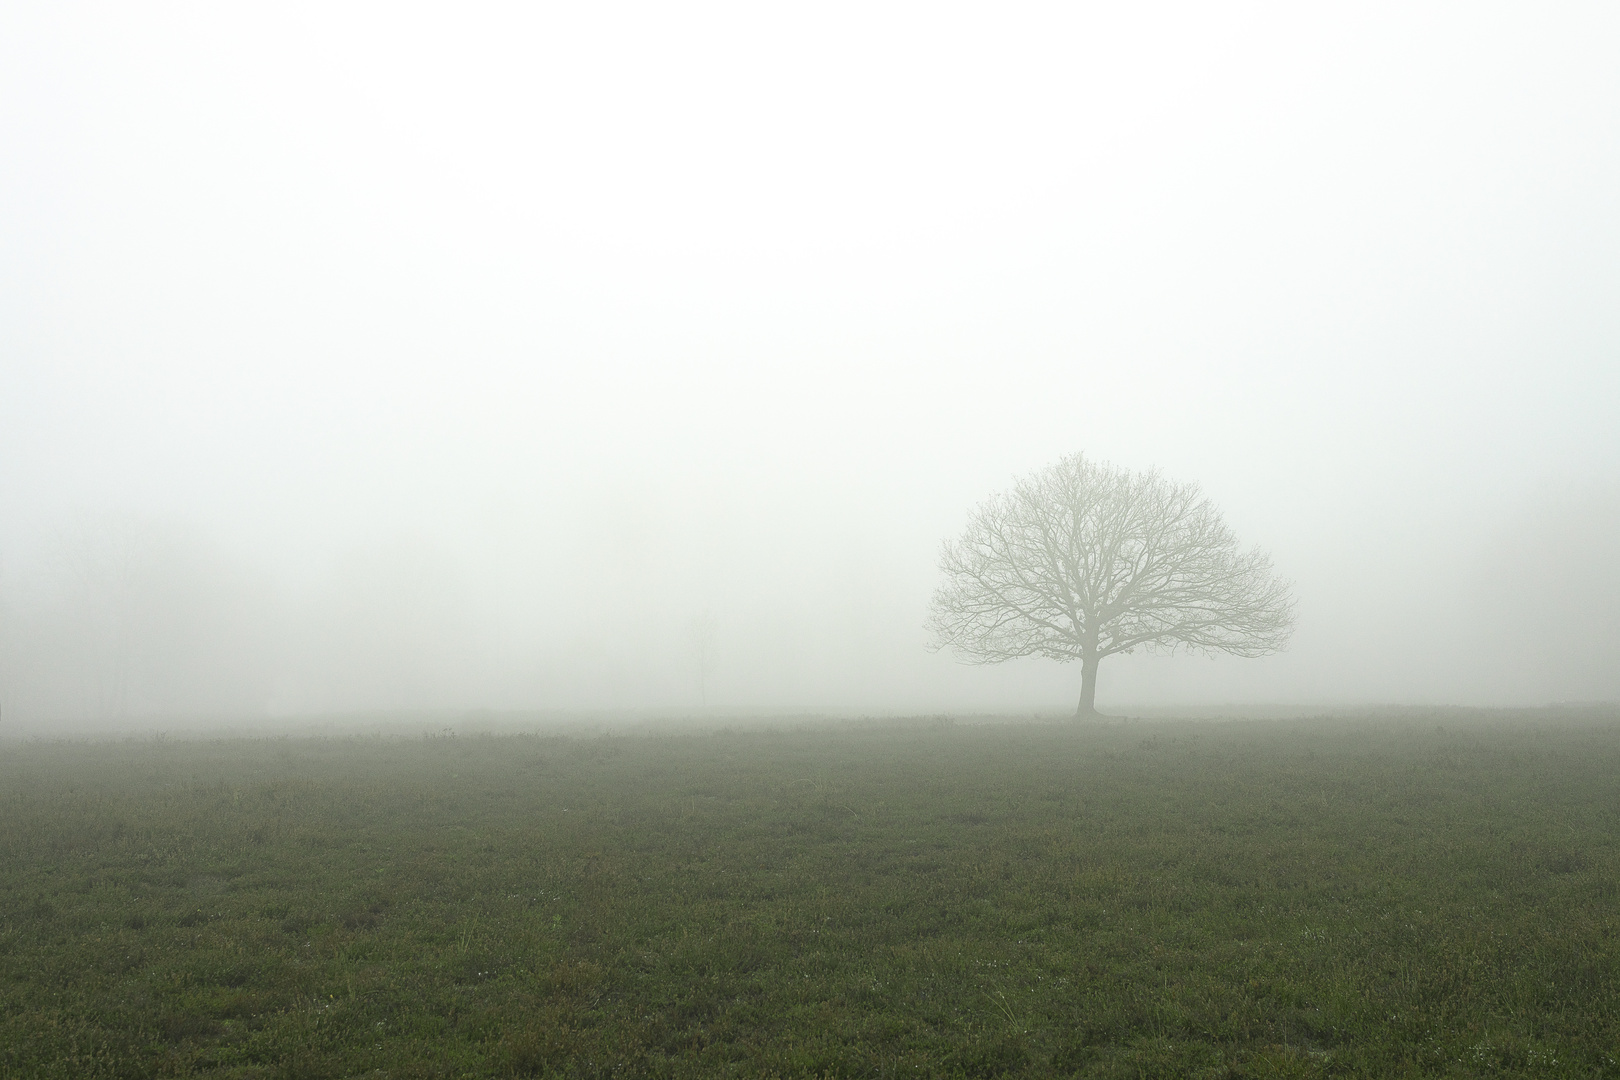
{"x": 1083, "y": 560}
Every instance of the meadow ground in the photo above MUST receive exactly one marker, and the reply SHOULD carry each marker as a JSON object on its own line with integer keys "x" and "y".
{"x": 1380, "y": 896}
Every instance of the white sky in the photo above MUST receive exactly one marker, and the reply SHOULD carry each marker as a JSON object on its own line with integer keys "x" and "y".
{"x": 542, "y": 329}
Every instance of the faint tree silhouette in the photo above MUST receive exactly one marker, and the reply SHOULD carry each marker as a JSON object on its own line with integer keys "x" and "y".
{"x": 700, "y": 643}
{"x": 1082, "y": 560}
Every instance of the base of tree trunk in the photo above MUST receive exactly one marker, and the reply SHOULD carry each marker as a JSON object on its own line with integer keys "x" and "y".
{"x": 1089, "y": 714}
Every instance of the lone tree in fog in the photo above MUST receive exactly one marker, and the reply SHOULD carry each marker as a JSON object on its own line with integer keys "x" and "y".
{"x": 1082, "y": 560}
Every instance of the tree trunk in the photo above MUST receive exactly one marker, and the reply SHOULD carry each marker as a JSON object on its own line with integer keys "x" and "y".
{"x": 1087, "y": 708}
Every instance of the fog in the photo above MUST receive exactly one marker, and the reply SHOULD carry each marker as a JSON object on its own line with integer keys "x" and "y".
{"x": 640, "y": 357}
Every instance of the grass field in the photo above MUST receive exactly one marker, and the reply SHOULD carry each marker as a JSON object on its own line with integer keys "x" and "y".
{"x": 1378, "y": 896}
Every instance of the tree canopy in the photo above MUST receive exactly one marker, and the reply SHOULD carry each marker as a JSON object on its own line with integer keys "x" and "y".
{"x": 1082, "y": 560}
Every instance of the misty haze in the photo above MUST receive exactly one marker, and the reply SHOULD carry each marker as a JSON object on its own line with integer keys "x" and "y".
{"x": 852, "y": 540}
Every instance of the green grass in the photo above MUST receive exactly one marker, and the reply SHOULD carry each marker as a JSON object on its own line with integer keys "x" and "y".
{"x": 1353, "y": 897}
